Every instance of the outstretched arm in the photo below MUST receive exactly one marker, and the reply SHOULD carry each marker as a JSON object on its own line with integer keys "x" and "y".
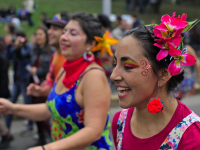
{"x": 35, "y": 112}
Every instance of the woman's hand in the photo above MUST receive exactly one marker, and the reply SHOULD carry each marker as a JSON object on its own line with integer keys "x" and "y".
{"x": 34, "y": 90}
{"x": 33, "y": 70}
{"x": 6, "y": 106}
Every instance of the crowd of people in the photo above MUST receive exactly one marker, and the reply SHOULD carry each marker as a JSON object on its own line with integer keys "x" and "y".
{"x": 23, "y": 14}
{"x": 65, "y": 71}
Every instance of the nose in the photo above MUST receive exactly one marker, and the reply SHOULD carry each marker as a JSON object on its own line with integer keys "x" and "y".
{"x": 64, "y": 37}
{"x": 116, "y": 75}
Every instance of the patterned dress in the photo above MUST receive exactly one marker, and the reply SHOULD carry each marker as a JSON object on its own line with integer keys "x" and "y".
{"x": 68, "y": 118}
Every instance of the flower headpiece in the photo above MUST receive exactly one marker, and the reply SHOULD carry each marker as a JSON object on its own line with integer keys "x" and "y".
{"x": 171, "y": 43}
{"x": 104, "y": 44}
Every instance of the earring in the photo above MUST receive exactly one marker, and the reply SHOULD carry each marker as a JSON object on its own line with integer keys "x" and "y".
{"x": 88, "y": 56}
{"x": 155, "y": 105}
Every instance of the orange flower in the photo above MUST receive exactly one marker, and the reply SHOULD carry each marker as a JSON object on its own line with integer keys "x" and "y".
{"x": 104, "y": 43}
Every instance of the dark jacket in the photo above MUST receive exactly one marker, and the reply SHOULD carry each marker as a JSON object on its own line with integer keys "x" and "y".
{"x": 4, "y": 91}
{"x": 20, "y": 57}
{"x": 40, "y": 58}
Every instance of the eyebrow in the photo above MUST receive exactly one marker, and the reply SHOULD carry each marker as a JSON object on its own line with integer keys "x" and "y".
{"x": 125, "y": 58}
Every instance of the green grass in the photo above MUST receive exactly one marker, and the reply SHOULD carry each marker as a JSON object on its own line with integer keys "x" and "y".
{"x": 94, "y": 6}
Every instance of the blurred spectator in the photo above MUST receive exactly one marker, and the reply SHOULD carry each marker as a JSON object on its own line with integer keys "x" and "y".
{"x": 127, "y": 5}
{"x": 43, "y": 17}
{"x": 16, "y": 22}
{"x": 136, "y": 21}
{"x": 40, "y": 59}
{"x": 11, "y": 10}
{"x": 4, "y": 93}
{"x": 121, "y": 28}
{"x": 106, "y": 59}
{"x": 140, "y": 3}
{"x": 22, "y": 14}
{"x": 155, "y": 4}
{"x": 20, "y": 56}
{"x": 3, "y": 14}
{"x": 29, "y": 6}
{"x": 9, "y": 30}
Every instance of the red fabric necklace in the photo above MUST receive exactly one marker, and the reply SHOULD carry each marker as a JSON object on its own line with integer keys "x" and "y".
{"x": 73, "y": 71}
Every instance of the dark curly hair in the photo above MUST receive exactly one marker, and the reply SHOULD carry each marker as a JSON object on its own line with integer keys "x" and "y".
{"x": 89, "y": 24}
{"x": 146, "y": 37}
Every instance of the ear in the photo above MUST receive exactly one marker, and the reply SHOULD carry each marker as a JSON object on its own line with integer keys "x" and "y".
{"x": 90, "y": 45}
{"x": 164, "y": 77}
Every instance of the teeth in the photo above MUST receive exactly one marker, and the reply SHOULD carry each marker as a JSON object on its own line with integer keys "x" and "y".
{"x": 121, "y": 88}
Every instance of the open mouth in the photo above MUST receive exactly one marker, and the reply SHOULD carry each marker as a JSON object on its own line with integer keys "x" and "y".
{"x": 64, "y": 46}
{"x": 123, "y": 91}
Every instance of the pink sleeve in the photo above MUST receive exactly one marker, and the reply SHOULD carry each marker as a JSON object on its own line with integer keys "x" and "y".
{"x": 191, "y": 138}
{"x": 114, "y": 127}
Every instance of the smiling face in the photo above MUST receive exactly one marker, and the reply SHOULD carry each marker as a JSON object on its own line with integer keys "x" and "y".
{"x": 54, "y": 33}
{"x": 40, "y": 37}
{"x": 133, "y": 75}
{"x": 73, "y": 41}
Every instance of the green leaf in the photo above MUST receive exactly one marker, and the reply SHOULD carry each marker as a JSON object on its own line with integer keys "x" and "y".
{"x": 153, "y": 25}
{"x": 189, "y": 25}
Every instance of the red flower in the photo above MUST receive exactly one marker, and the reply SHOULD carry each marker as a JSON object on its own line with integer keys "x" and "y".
{"x": 155, "y": 105}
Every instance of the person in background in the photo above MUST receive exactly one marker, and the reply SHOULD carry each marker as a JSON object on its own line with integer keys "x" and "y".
{"x": 22, "y": 14}
{"x": 44, "y": 19}
{"x": 106, "y": 59}
{"x": 11, "y": 10}
{"x": 136, "y": 21}
{"x": 120, "y": 29}
{"x": 6, "y": 137}
{"x": 3, "y": 14}
{"x": 40, "y": 59}
{"x": 21, "y": 57}
{"x": 29, "y": 6}
{"x": 55, "y": 30}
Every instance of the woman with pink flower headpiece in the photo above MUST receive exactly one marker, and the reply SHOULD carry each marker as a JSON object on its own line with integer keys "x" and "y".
{"x": 148, "y": 64}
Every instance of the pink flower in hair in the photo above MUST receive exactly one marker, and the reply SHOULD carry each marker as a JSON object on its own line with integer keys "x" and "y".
{"x": 170, "y": 27}
{"x": 180, "y": 59}
{"x": 167, "y": 47}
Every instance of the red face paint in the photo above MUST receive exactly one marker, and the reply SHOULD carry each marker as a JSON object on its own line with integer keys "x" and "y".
{"x": 145, "y": 68}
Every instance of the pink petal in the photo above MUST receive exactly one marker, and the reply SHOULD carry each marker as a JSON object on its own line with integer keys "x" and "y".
{"x": 162, "y": 54}
{"x": 159, "y": 45}
{"x": 177, "y": 33}
{"x": 179, "y": 23}
{"x": 157, "y": 33}
{"x": 173, "y": 15}
{"x": 174, "y": 52}
{"x": 176, "y": 41}
{"x": 174, "y": 69}
{"x": 188, "y": 59}
{"x": 161, "y": 27}
{"x": 165, "y": 19}
{"x": 184, "y": 16}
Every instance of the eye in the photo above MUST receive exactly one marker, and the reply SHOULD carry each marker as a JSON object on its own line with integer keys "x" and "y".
{"x": 128, "y": 66}
{"x": 73, "y": 33}
{"x": 114, "y": 62}
{"x": 64, "y": 31}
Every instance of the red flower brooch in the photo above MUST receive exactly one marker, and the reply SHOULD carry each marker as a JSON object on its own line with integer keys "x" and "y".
{"x": 155, "y": 105}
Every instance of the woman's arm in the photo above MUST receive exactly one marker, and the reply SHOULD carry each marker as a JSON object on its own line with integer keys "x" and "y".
{"x": 35, "y": 112}
{"x": 191, "y": 51}
{"x": 96, "y": 101}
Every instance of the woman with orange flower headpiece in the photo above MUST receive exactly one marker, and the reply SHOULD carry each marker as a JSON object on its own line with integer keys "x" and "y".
{"x": 80, "y": 98}
{"x": 149, "y": 64}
